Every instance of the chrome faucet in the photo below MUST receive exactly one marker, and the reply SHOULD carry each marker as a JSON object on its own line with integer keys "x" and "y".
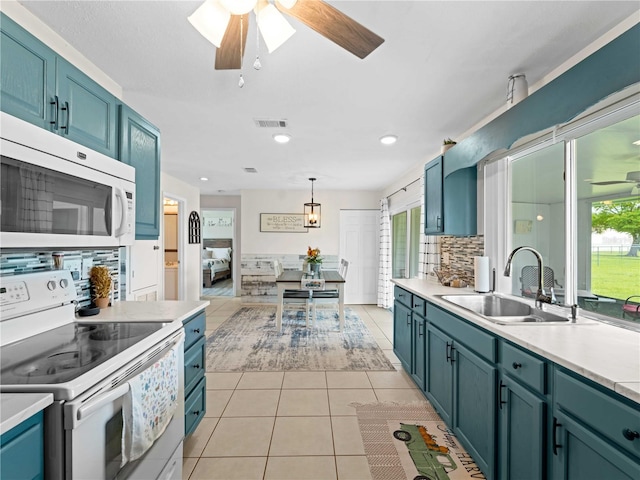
{"x": 541, "y": 296}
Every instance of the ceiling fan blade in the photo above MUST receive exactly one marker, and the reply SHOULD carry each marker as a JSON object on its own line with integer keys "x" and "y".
{"x": 229, "y": 54}
{"x": 334, "y": 25}
{"x": 612, "y": 182}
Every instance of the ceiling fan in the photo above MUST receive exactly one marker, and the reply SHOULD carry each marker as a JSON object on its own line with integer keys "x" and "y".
{"x": 225, "y": 23}
{"x": 632, "y": 177}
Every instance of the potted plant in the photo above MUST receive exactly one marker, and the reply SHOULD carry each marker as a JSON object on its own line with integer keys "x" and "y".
{"x": 313, "y": 259}
{"x": 447, "y": 143}
{"x": 100, "y": 279}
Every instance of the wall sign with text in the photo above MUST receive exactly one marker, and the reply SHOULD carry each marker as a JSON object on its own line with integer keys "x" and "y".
{"x": 282, "y": 222}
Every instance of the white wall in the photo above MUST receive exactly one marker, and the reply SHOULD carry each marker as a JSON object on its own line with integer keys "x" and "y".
{"x": 177, "y": 189}
{"x": 326, "y": 238}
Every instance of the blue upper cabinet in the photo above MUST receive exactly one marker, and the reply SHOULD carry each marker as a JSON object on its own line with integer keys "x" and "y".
{"x": 450, "y": 203}
{"x": 87, "y": 111}
{"x": 27, "y": 75}
{"x": 140, "y": 148}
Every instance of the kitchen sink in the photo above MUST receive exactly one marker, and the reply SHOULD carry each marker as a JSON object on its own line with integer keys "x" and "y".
{"x": 504, "y": 311}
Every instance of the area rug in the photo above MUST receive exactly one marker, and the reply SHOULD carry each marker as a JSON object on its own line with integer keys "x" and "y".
{"x": 411, "y": 441}
{"x": 248, "y": 342}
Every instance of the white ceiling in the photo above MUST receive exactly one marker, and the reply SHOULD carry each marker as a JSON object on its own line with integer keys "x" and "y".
{"x": 442, "y": 68}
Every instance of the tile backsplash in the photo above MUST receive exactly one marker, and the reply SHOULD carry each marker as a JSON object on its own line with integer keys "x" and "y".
{"x": 80, "y": 261}
{"x": 454, "y": 254}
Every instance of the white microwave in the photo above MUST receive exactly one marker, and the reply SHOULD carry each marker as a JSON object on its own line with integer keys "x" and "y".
{"x": 56, "y": 193}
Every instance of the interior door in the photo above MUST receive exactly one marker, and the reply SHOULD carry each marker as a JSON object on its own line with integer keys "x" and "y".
{"x": 359, "y": 245}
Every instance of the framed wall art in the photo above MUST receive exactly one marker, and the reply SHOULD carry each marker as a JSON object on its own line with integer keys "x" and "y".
{"x": 282, "y": 223}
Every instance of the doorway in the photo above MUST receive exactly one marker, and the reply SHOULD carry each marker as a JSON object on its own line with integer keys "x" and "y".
{"x": 173, "y": 209}
{"x": 359, "y": 245}
{"x": 218, "y": 252}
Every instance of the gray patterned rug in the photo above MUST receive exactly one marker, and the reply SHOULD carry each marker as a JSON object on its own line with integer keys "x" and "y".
{"x": 248, "y": 342}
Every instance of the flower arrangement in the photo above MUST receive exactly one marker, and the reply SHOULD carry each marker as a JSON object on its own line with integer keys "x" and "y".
{"x": 313, "y": 255}
{"x": 100, "y": 279}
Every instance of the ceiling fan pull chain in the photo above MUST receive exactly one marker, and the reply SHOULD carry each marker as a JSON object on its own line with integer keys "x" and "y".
{"x": 241, "y": 81}
{"x": 257, "y": 65}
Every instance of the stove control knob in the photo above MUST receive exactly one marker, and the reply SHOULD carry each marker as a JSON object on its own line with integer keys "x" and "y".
{"x": 51, "y": 285}
{"x": 64, "y": 283}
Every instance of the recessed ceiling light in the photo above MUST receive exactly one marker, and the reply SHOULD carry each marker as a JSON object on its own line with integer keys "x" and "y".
{"x": 282, "y": 137}
{"x": 388, "y": 139}
{"x": 204, "y": 179}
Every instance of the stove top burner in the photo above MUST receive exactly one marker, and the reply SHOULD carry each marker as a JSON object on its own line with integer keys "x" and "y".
{"x": 59, "y": 362}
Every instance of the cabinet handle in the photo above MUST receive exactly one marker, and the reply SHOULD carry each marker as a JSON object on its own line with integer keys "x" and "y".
{"x": 556, "y": 445}
{"x": 196, "y": 412}
{"x": 196, "y": 330}
{"x": 500, "y": 401}
{"x": 54, "y": 122}
{"x": 450, "y": 349}
{"x": 630, "y": 435}
{"x": 420, "y": 329}
{"x": 516, "y": 365}
{"x": 66, "y": 108}
{"x": 409, "y": 319}
{"x": 197, "y": 366}
{"x": 437, "y": 222}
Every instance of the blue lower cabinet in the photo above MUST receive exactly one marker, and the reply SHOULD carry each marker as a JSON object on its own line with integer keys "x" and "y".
{"x": 195, "y": 407}
{"x": 474, "y": 397}
{"x": 522, "y": 420}
{"x": 581, "y": 454}
{"x": 418, "y": 357}
{"x": 402, "y": 332}
{"x": 439, "y": 381}
{"x": 22, "y": 450}
{"x": 195, "y": 402}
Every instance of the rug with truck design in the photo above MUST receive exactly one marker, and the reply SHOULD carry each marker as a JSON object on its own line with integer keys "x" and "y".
{"x": 410, "y": 441}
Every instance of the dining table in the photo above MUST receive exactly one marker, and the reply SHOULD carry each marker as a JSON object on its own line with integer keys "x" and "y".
{"x": 290, "y": 279}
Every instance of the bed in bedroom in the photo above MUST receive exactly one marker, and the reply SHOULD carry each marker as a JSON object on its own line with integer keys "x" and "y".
{"x": 216, "y": 260}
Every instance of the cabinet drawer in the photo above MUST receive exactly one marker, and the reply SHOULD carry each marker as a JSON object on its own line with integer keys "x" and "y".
{"x": 195, "y": 407}
{"x": 22, "y": 450}
{"x": 600, "y": 411}
{"x": 524, "y": 366}
{"x": 402, "y": 296}
{"x": 419, "y": 304}
{"x": 475, "y": 339}
{"x": 194, "y": 365}
{"x": 194, "y": 329}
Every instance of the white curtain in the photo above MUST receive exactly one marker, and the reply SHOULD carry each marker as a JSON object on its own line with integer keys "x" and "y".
{"x": 385, "y": 288}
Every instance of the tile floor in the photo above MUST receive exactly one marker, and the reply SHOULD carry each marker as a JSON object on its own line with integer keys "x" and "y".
{"x": 290, "y": 425}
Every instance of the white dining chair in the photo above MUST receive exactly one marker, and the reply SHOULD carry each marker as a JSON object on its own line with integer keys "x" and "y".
{"x": 294, "y": 296}
{"x": 332, "y": 295}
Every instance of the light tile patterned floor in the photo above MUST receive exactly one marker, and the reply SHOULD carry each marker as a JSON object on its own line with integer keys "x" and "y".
{"x": 290, "y": 425}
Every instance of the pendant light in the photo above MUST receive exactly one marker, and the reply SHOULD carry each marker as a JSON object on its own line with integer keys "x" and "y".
{"x": 312, "y": 211}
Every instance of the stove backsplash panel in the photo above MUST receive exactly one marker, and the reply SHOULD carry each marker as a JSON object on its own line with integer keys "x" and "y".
{"x": 78, "y": 261}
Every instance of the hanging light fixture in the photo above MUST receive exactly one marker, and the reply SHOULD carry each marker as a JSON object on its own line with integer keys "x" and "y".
{"x": 312, "y": 211}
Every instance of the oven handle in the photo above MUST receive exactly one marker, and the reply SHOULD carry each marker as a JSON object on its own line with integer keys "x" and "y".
{"x": 88, "y": 409}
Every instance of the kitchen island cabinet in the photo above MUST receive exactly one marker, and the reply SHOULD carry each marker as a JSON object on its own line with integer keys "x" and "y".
{"x": 522, "y": 401}
{"x": 195, "y": 387}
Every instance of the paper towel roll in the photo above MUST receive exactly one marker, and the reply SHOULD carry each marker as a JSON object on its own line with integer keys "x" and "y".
{"x": 481, "y": 274}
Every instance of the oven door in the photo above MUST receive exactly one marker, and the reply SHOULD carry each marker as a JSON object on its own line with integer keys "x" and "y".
{"x": 94, "y": 427}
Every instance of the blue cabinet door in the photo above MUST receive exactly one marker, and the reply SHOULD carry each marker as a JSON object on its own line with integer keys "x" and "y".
{"x": 523, "y": 416}
{"x": 433, "y": 197}
{"x": 27, "y": 76}
{"x": 402, "y": 326}
{"x": 579, "y": 454}
{"x": 474, "y": 419}
{"x": 87, "y": 111}
{"x": 22, "y": 450}
{"x": 419, "y": 338}
{"x": 460, "y": 202}
{"x": 140, "y": 148}
{"x": 439, "y": 378}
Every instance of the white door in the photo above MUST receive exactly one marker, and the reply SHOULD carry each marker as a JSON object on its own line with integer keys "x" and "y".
{"x": 359, "y": 245}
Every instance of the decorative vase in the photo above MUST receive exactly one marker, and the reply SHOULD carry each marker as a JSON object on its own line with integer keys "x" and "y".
{"x": 446, "y": 147}
{"x": 315, "y": 268}
{"x": 102, "y": 302}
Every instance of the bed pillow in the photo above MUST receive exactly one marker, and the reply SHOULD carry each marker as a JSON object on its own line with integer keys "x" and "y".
{"x": 223, "y": 253}
{"x": 206, "y": 254}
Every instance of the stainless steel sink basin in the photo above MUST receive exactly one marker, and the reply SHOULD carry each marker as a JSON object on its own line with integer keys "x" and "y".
{"x": 504, "y": 311}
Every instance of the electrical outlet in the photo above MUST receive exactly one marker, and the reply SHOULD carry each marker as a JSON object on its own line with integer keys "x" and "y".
{"x": 445, "y": 257}
{"x": 75, "y": 267}
{"x": 87, "y": 263}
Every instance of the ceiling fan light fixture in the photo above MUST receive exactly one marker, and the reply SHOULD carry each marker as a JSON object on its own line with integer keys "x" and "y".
{"x": 274, "y": 28}
{"x": 388, "y": 139}
{"x": 282, "y": 137}
{"x": 211, "y": 20}
{"x": 238, "y": 7}
{"x": 287, "y": 3}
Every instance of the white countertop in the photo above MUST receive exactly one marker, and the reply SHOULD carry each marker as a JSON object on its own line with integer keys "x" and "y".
{"x": 162, "y": 311}
{"x": 17, "y": 407}
{"x": 604, "y": 353}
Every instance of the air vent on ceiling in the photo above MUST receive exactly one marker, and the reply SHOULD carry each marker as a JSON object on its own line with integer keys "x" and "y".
{"x": 266, "y": 123}
{"x": 250, "y": 170}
